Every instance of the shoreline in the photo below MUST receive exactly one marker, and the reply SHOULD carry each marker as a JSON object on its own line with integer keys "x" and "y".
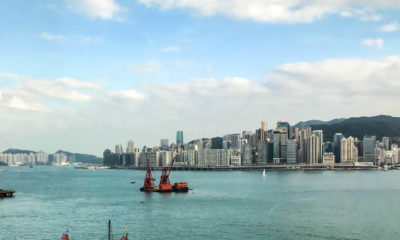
{"x": 259, "y": 168}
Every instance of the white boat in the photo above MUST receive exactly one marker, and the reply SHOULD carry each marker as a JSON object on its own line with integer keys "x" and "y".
{"x": 264, "y": 174}
{"x": 132, "y": 181}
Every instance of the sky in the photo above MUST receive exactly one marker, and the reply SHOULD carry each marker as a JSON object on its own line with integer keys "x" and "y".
{"x": 85, "y": 75}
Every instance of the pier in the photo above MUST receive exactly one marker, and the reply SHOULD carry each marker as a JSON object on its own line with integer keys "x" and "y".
{"x": 6, "y": 193}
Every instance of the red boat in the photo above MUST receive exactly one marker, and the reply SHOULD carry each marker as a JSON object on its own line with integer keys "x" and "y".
{"x": 65, "y": 236}
{"x": 181, "y": 187}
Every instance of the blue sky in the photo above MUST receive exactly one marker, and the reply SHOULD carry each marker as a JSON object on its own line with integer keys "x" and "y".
{"x": 175, "y": 64}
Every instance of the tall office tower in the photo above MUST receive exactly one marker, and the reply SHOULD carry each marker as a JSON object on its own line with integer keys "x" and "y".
{"x": 312, "y": 149}
{"x": 264, "y": 126}
{"x": 348, "y": 151}
{"x": 280, "y": 144}
{"x": 164, "y": 144}
{"x": 130, "y": 147}
{"x": 386, "y": 143}
{"x": 247, "y": 155}
{"x": 262, "y": 150}
{"x": 291, "y": 151}
{"x": 337, "y": 137}
{"x": 284, "y": 125}
{"x": 369, "y": 148}
{"x": 119, "y": 149}
{"x": 319, "y": 134}
{"x": 179, "y": 138}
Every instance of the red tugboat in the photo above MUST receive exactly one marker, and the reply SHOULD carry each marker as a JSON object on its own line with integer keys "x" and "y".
{"x": 148, "y": 185}
{"x": 180, "y": 187}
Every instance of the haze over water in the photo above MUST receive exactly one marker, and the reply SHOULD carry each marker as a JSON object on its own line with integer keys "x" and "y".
{"x": 223, "y": 205}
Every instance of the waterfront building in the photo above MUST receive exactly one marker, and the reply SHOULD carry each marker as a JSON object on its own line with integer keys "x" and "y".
{"x": 280, "y": 144}
{"x": 369, "y": 148}
{"x": 328, "y": 147}
{"x": 154, "y": 159}
{"x": 337, "y": 137}
{"x": 320, "y": 135}
{"x": 395, "y": 153}
{"x": 328, "y": 158}
{"x": 348, "y": 151}
{"x": 247, "y": 155}
{"x": 130, "y": 147}
{"x": 291, "y": 151}
{"x": 179, "y": 138}
{"x": 312, "y": 149}
{"x": 262, "y": 150}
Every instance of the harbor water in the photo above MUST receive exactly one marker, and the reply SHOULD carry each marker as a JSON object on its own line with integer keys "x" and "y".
{"x": 222, "y": 205}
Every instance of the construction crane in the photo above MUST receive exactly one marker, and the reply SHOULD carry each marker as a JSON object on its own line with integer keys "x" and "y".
{"x": 148, "y": 185}
{"x": 165, "y": 185}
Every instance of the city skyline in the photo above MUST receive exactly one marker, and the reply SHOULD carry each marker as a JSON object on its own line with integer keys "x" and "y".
{"x": 84, "y": 75}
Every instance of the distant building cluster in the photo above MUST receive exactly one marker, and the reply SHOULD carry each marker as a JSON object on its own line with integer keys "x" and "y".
{"x": 38, "y": 158}
{"x": 282, "y": 145}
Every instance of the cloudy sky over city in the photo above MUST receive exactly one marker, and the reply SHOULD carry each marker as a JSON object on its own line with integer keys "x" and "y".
{"x": 85, "y": 75}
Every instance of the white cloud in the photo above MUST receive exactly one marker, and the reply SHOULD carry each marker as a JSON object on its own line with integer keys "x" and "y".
{"x": 51, "y": 37}
{"x": 103, "y": 9}
{"x": 128, "y": 94}
{"x": 285, "y": 11}
{"x": 202, "y": 107}
{"x": 373, "y": 42}
{"x": 71, "y": 82}
{"x": 170, "y": 49}
{"x": 20, "y": 104}
{"x": 391, "y": 27}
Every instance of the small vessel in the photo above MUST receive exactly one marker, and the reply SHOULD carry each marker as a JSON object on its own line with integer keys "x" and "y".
{"x": 65, "y": 236}
{"x": 264, "y": 174}
{"x": 385, "y": 167}
{"x": 132, "y": 181}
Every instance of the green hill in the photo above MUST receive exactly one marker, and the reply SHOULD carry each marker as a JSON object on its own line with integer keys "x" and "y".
{"x": 380, "y": 126}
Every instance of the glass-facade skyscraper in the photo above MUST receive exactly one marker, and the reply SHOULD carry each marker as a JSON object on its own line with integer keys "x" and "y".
{"x": 179, "y": 138}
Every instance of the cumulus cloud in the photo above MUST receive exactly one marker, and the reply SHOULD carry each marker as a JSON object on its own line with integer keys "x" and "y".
{"x": 51, "y": 37}
{"x": 205, "y": 107}
{"x": 391, "y": 27}
{"x": 286, "y": 11}
{"x": 103, "y": 9}
{"x": 373, "y": 42}
{"x": 20, "y": 104}
{"x": 170, "y": 49}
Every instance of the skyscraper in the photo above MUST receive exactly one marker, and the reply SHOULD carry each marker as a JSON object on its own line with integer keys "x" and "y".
{"x": 369, "y": 148}
{"x": 119, "y": 149}
{"x": 319, "y": 134}
{"x": 130, "y": 147}
{"x": 280, "y": 144}
{"x": 337, "y": 137}
{"x": 179, "y": 138}
{"x": 291, "y": 151}
{"x": 386, "y": 143}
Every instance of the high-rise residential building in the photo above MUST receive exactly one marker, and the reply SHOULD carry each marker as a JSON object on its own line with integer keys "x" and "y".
{"x": 369, "y": 148}
{"x": 291, "y": 151}
{"x": 337, "y": 137}
{"x": 164, "y": 144}
{"x": 179, "y": 138}
{"x": 130, "y": 147}
{"x": 386, "y": 143}
{"x": 312, "y": 149}
{"x": 348, "y": 151}
{"x": 119, "y": 149}
{"x": 319, "y": 134}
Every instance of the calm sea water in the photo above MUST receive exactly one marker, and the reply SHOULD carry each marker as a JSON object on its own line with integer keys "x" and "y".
{"x": 223, "y": 205}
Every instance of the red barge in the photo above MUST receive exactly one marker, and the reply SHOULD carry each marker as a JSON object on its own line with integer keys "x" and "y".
{"x": 165, "y": 185}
